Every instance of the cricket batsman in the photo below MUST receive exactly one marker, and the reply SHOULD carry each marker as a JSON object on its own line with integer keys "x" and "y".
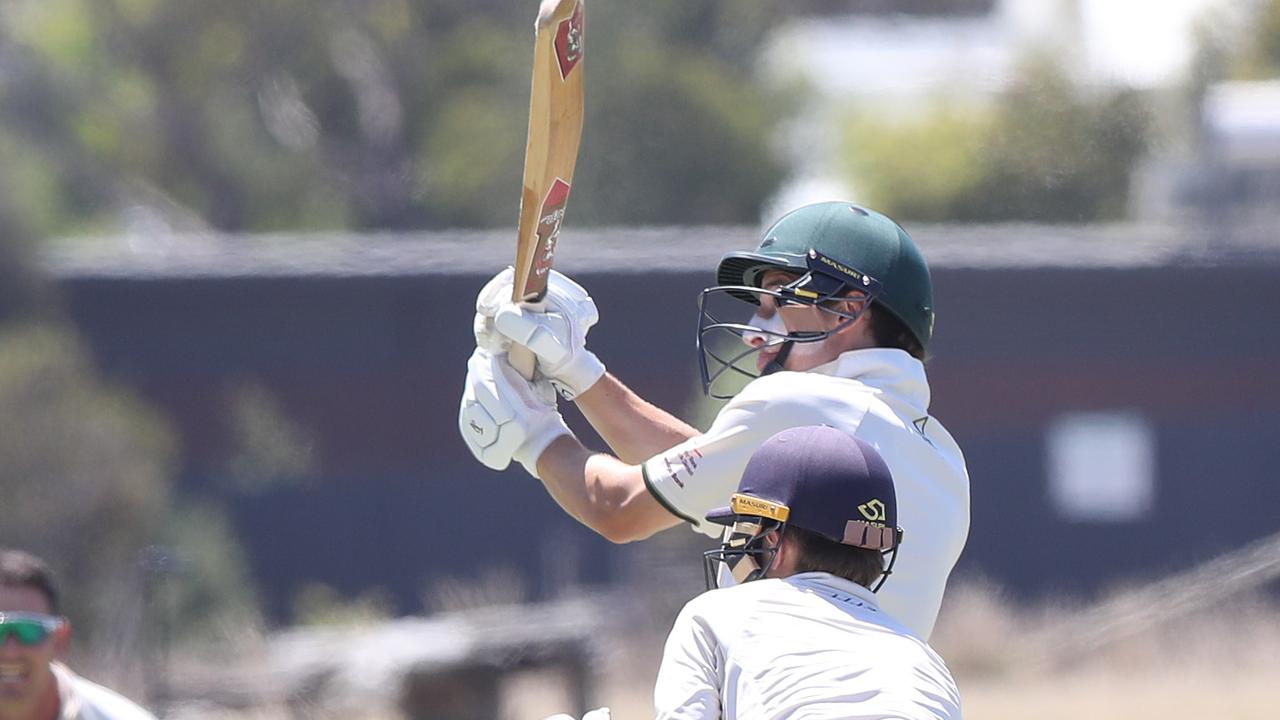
{"x": 828, "y": 320}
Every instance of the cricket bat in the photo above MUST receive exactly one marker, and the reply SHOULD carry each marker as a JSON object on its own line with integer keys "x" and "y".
{"x": 555, "y": 130}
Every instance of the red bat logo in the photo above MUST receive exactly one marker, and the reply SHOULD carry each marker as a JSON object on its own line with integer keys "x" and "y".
{"x": 549, "y": 221}
{"x": 569, "y": 42}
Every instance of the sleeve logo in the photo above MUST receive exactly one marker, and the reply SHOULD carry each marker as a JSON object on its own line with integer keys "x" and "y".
{"x": 686, "y": 461}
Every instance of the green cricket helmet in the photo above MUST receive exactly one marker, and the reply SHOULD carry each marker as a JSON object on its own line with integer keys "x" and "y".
{"x": 834, "y": 247}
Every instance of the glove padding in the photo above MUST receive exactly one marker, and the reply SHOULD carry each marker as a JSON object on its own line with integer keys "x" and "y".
{"x": 494, "y": 294}
{"x": 504, "y": 417}
{"x": 555, "y": 329}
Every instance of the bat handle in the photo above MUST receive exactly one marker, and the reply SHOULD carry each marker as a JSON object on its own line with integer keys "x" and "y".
{"x": 523, "y": 360}
{"x": 520, "y": 357}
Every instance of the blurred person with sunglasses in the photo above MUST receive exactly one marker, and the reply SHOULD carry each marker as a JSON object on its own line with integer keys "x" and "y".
{"x": 34, "y": 638}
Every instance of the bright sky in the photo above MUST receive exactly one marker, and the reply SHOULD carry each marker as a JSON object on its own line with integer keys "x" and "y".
{"x": 1140, "y": 42}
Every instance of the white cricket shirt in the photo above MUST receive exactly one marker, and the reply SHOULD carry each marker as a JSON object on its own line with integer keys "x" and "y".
{"x": 811, "y": 646}
{"x": 880, "y": 395}
{"x": 85, "y": 700}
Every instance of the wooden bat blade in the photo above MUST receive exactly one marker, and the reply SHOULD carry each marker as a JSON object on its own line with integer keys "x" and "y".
{"x": 555, "y": 130}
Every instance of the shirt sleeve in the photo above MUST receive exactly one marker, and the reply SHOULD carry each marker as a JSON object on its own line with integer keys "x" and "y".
{"x": 700, "y": 474}
{"x": 688, "y": 685}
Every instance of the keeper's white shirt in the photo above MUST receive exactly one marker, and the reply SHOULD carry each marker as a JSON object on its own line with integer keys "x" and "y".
{"x": 811, "y": 646}
{"x": 880, "y": 395}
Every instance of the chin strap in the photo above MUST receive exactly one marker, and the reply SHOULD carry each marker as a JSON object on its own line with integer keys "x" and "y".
{"x": 893, "y": 557}
{"x": 778, "y": 360}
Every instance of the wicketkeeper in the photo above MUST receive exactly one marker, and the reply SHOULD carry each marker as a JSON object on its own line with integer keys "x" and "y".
{"x": 803, "y": 634}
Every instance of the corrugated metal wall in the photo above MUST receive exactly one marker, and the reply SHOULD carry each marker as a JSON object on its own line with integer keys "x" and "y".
{"x": 374, "y": 366}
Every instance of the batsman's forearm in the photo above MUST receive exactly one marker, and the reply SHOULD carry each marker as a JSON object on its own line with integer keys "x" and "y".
{"x": 635, "y": 429}
{"x": 601, "y": 491}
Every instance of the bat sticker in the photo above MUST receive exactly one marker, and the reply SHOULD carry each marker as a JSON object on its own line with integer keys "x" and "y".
{"x": 569, "y": 43}
{"x": 549, "y": 221}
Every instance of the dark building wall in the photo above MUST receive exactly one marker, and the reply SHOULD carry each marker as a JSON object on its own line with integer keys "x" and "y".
{"x": 1190, "y": 349}
{"x": 373, "y": 367}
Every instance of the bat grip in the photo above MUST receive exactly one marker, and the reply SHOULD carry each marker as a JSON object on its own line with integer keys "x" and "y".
{"x": 523, "y": 360}
{"x": 520, "y": 357}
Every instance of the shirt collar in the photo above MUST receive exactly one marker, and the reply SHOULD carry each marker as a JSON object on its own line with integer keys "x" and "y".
{"x": 70, "y": 702}
{"x": 835, "y": 582}
{"x": 890, "y": 370}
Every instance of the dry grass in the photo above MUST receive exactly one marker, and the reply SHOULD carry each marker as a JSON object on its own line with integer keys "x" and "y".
{"x": 1019, "y": 662}
{"x": 1010, "y": 661}
{"x": 1219, "y": 659}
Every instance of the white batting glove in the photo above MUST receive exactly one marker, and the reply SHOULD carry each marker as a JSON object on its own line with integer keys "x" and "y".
{"x": 494, "y": 294}
{"x": 556, "y": 332}
{"x": 597, "y": 714}
{"x": 503, "y": 417}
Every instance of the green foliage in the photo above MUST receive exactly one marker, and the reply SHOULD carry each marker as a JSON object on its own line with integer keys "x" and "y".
{"x": 254, "y": 116}
{"x": 917, "y": 169}
{"x": 206, "y": 594}
{"x": 320, "y": 604}
{"x": 86, "y": 468}
{"x": 1058, "y": 154}
{"x": 1258, "y": 54}
{"x": 675, "y": 131}
{"x": 269, "y": 448}
{"x": 684, "y": 146}
{"x": 1049, "y": 152}
{"x": 87, "y": 474}
{"x": 24, "y": 293}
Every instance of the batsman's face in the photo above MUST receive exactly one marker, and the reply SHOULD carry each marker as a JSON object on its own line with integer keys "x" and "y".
{"x": 796, "y": 318}
{"x": 27, "y": 683}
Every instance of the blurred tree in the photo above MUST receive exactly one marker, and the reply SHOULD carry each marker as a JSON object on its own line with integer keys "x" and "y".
{"x": 891, "y": 7}
{"x": 207, "y": 595}
{"x": 24, "y": 293}
{"x": 675, "y": 131}
{"x": 86, "y": 468}
{"x": 252, "y": 115}
{"x": 1258, "y": 53}
{"x": 1048, "y": 151}
{"x": 320, "y": 604}
{"x": 268, "y": 447}
{"x": 917, "y": 170}
{"x": 1058, "y": 153}
{"x": 86, "y": 471}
